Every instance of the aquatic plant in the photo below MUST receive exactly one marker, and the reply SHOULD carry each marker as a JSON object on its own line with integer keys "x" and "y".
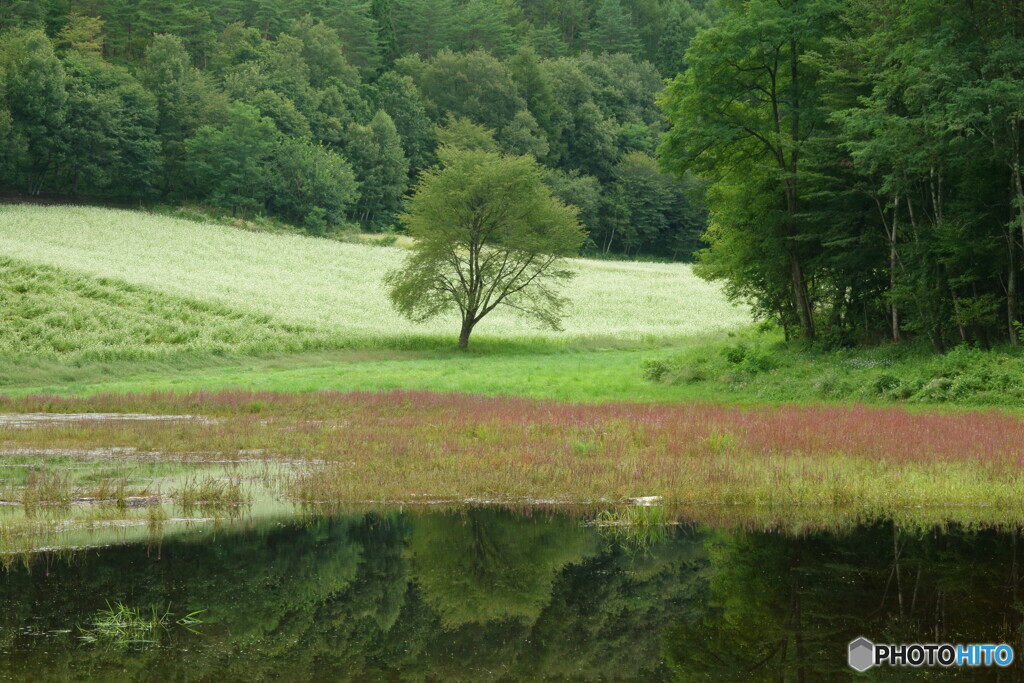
{"x": 634, "y": 526}
{"x": 207, "y": 492}
{"x": 45, "y": 486}
{"x": 121, "y": 625}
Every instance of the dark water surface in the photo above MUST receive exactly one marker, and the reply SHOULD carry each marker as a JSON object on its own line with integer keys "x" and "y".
{"x": 485, "y": 594}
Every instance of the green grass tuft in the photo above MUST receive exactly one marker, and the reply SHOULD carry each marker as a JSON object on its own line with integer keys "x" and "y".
{"x": 208, "y": 493}
{"x": 124, "y": 626}
{"x": 636, "y": 526}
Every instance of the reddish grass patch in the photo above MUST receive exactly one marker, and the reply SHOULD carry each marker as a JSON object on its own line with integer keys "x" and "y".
{"x": 892, "y": 434}
{"x": 399, "y": 444}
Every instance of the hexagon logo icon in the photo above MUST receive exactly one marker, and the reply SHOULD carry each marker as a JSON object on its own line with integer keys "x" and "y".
{"x": 862, "y": 654}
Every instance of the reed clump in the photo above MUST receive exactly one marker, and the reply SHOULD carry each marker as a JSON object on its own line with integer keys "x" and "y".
{"x": 124, "y": 626}
{"x": 637, "y": 526}
{"x": 207, "y": 492}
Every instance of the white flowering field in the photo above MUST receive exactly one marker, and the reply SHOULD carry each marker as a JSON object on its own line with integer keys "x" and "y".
{"x": 336, "y": 288}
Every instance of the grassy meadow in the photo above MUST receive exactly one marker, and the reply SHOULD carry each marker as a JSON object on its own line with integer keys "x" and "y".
{"x": 98, "y": 300}
{"x": 334, "y": 288}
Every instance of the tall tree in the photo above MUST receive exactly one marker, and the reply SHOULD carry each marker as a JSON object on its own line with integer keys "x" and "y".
{"x": 381, "y": 168}
{"x": 987, "y": 99}
{"x": 749, "y": 98}
{"x": 613, "y": 30}
{"x": 481, "y": 25}
{"x": 37, "y": 100}
{"x": 424, "y": 27}
{"x": 185, "y": 101}
{"x": 359, "y": 32}
{"x": 323, "y": 53}
{"x": 311, "y": 184}
{"x": 401, "y": 99}
{"x": 488, "y": 234}
{"x": 231, "y": 164}
{"x": 523, "y": 136}
{"x": 460, "y": 133}
{"x": 535, "y": 89}
{"x": 383, "y": 14}
{"x": 476, "y": 86}
{"x": 681, "y": 26}
{"x": 110, "y": 142}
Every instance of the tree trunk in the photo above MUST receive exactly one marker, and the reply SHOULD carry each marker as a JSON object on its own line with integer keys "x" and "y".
{"x": 608, "y": 243}
{"x": 467, "y": 329}
{"x": 1012, "y": 306}
{"x": 804, "y": 307}
{"x": 893, "y": 258}
{"x": 800, "y": 297}
{"x": 1013, "y": 310}
{"x": 894, "y": 311}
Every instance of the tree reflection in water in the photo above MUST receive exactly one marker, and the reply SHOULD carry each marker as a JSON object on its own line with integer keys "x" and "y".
{"x": 486, "y": 594}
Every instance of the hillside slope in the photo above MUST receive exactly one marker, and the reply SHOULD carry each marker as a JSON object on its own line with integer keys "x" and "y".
{"x": 46, "y": 313}
{"x": 336, "y": 288}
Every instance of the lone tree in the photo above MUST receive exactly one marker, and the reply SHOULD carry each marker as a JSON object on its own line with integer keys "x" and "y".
{"x": 488, "y": 233}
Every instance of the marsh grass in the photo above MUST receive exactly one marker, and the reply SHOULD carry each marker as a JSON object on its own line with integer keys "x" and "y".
{"x": 26, "y": 534}
{"x": 123, "y": 626}
{"x": 210, "y": 493}
{"x": 418, "y": 447}
{"x": 156, "y": 514}
{"x": 635, "y": 526}
{"x": 44, "y": 486}
{"x": 54, "y": 485}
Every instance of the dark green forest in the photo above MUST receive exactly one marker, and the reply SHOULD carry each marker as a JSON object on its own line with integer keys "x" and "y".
{"x": 323, "y": 113}
{"x": 864, "y": 159}
{"x": 854, "y": 166}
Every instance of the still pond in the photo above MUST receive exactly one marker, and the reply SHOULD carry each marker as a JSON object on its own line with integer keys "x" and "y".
{"x": 485, "y": 593}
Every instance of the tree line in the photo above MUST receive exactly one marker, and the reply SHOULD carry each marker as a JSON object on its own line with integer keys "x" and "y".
{"x": 860, "y": 161}
{"x": 324, "y": 113}
{"x": 864, "y": 161}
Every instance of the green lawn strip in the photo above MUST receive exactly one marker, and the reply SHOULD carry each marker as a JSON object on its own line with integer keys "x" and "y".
{"x": 578, "y": 376}
{"x": 592, "y": 376}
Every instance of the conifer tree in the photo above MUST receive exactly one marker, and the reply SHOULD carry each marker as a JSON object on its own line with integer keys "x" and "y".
{"x": 613, "y": 30}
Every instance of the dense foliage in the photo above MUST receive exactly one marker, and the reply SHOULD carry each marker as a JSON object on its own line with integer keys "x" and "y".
{"x": 865, "y": 164}
{"x": 323, "y": 113}
{"x": 758, "y": 369}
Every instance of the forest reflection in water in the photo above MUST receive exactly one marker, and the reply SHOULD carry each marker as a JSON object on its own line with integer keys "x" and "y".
{"x": 488, "y": 593}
